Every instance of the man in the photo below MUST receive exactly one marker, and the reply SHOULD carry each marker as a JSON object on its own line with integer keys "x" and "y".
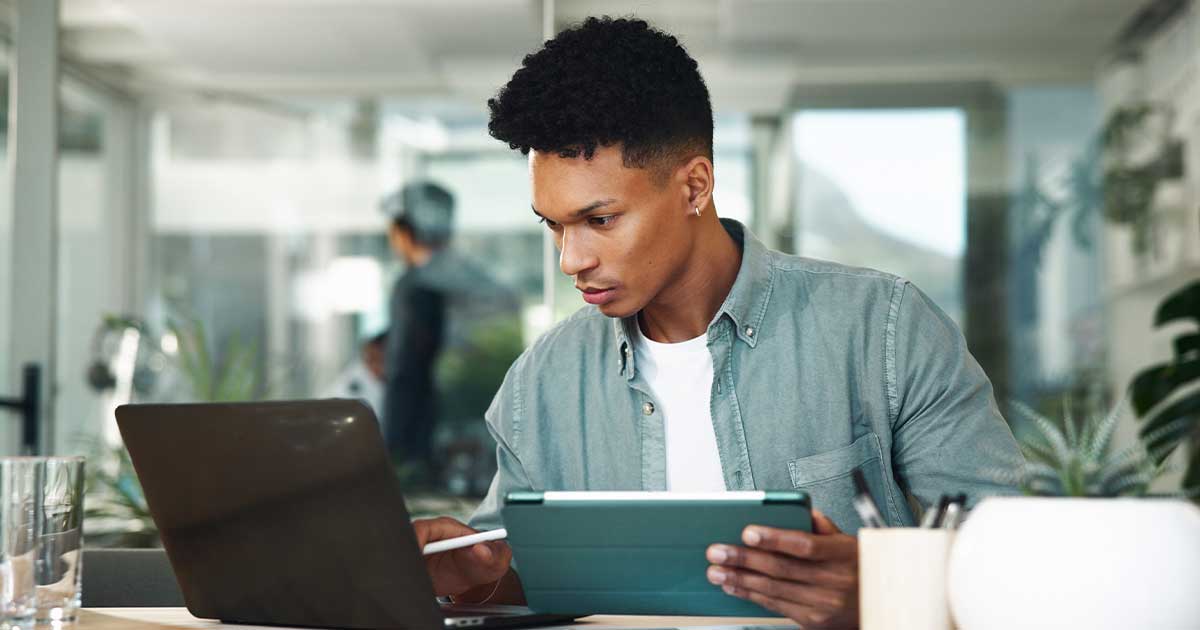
{"x": 422, "y": 217}
{"x": 706, "y": 361}
{"x": 442, "y": 304}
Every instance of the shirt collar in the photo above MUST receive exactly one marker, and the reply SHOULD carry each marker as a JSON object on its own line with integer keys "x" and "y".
{"x": 745, "y": 306}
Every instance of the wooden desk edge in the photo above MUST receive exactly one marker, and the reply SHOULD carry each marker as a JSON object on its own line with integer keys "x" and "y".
{"x": 181, "y": 619}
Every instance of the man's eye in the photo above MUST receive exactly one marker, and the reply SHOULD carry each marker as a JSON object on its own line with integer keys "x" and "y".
{"x": 602, "y": 221}
{"x": 548, "y": 222}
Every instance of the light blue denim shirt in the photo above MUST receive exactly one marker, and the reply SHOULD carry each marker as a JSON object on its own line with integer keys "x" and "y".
{"x": 819, "y": 369}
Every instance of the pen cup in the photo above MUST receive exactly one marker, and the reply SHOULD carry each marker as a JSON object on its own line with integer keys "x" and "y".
{"x": 902, "y": 578}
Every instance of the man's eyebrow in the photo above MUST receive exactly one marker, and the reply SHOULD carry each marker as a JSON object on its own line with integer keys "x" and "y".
{"x": 588, "y": 209}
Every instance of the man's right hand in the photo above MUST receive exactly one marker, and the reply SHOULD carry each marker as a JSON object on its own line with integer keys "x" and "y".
{"x": 459, "y": 571}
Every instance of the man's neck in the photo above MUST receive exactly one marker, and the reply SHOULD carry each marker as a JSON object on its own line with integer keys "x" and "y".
{"x": 686, "y": 307}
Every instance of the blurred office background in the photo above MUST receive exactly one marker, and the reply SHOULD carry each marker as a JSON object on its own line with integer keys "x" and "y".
{"x": 206, "y": 175}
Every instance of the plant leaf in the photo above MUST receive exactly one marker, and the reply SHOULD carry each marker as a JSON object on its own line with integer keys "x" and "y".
{"x": 1182, "y": 304}
{"x": 236, "y": 381}
{"x": 1052, "y": 433}
{"x": 1168, "y": 428}
{"x": 1072, "y": 430}
{"x": 1104, "y": 430}
{"x": 1038, "y": 453}
{"x": 1154, "y": 385}
{"x": 1191, "y": 474}
{"x": 1129, "y": 460}
{"x": 1134, "y": 483}
{"x": 1186, "y": 345}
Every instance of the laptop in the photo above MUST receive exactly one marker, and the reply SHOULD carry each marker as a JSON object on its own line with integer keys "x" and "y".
{"x": 289, "y": 513}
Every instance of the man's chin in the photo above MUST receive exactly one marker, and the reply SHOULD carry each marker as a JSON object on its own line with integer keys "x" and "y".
{"x": 619, "y": 309}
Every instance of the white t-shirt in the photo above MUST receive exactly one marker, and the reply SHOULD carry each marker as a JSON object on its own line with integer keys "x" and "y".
{"x": 680, "y": 376}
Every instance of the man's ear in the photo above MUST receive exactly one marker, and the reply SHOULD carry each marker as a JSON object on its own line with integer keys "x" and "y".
{"x": 697, "y": 182}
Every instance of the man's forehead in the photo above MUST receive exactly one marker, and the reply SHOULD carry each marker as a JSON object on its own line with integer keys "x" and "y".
{"x": 564, "y": 185}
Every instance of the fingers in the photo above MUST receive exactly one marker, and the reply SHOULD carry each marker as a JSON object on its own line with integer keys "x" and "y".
{"x": 832, "y": 575}
{"x": 485, "y": 562}
{"x": 776, "y": 588}
{"x": 811, "y": 578}
{"x": 493, "y": 556}
{"x": 799, "y": 544}
{"x": 807, "y": 616}
{"x": 434, "y": 529}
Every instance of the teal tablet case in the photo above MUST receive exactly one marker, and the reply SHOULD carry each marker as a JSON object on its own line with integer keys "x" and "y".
{"x": 606, "y": 553}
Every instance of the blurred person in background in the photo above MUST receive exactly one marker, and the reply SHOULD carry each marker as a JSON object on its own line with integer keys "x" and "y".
{"x": 453, "y": 331}
{"x": 422, "y": 223}
{"x": 364, "y": 377}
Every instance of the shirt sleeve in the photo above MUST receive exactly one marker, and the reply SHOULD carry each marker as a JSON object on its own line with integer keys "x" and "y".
{"x": 947, "y": 433}
{"x": 503, "y": 423}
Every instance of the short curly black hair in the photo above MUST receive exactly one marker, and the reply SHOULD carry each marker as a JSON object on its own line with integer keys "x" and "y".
{"x": 607, "y": 82}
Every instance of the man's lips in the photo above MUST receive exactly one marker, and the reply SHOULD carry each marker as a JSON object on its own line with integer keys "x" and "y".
{"x": 596, "y": 295}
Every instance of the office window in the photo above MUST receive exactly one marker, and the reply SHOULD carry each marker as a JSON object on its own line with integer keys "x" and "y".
{"x": 885, "y": 189}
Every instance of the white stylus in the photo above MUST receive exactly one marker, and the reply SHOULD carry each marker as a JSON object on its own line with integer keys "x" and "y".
{"x": 464, "y": 541}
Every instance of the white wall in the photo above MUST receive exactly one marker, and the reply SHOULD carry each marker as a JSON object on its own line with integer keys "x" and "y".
{"x": 1169, "y": 72}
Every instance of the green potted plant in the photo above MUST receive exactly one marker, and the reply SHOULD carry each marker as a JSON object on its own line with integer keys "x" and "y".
{"x": 116, "y": 511}
{"x": 1168, "y": 395}
{"x": 1088, "y": 546}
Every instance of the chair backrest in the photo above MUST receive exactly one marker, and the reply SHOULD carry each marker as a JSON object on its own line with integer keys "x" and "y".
{"x": 128, "y": 578}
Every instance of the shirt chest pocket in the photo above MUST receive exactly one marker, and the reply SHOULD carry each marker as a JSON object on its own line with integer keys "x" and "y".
{"x": 827, "y": 477}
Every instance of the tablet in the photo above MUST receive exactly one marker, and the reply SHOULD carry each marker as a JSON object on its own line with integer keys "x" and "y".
{"x": 637, "y": 553}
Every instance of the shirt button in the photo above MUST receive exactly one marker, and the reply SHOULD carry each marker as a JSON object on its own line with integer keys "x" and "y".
{"x": 648, "y": 408}
{"x": 749, "y": 331}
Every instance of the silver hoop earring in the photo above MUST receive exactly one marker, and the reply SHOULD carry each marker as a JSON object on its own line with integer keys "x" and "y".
{"x": 697, "y": 210}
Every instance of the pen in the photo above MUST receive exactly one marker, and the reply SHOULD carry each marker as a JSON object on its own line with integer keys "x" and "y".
{"x": 864, "y": 505}
{"x": 930, "y": 518}
{"x": 954, "y": 511}
{"x": 463, "y": 541}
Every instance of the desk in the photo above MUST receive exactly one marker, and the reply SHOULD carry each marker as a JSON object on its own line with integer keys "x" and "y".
{"x": 180, "y": 619}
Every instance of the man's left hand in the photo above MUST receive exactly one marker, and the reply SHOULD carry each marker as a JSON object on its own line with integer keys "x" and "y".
{"x": 810, "y": 578}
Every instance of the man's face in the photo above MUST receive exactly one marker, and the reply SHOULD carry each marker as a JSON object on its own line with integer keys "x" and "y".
{"x": 621, "y": 235}
{"x": 400, "y": 240}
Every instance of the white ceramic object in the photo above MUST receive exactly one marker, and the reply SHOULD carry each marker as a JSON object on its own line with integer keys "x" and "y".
{"x": 1100, "y": 564}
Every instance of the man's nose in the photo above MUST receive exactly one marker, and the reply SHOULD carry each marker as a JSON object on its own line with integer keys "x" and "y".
{"x": 574, "y": 257}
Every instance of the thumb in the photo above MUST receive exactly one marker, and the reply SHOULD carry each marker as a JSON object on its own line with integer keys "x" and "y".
{"x": 433, "y": 529}
{"x": 822, "y": 525}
